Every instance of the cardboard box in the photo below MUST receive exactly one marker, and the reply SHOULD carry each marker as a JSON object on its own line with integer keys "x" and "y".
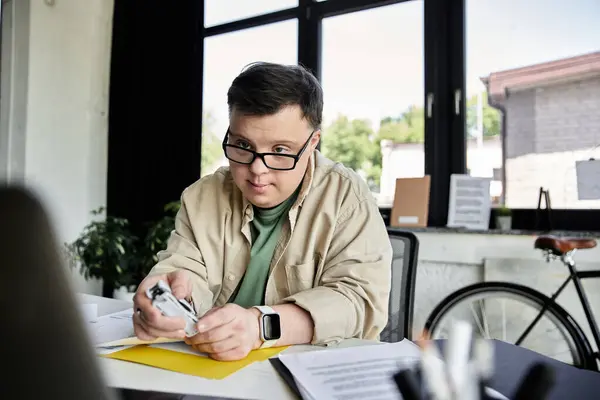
{"x": 411, "y": 202}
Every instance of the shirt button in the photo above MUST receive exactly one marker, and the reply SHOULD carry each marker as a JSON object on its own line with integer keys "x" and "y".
{"x": 231, "y": 277}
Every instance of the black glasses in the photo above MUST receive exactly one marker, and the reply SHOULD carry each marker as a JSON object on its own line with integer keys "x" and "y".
{"x": 276, "y": 161}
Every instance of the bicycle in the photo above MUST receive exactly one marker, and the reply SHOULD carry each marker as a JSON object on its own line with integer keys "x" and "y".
{"x": 583, "y": 356}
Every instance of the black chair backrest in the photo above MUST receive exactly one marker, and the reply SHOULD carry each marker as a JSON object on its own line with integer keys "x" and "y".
{"x": 405, "y": 247}
{"x": 43, "y": 342}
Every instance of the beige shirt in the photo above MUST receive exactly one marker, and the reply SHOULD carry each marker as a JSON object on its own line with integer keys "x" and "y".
{"x": 333, "y": 258}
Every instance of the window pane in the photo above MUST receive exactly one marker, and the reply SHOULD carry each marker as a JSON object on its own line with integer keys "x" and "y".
{"x": 217, "y": 12}
{"x": 224, "y": 58}
{"x": 533, "y": 81}
{"x": 372, "y": 76}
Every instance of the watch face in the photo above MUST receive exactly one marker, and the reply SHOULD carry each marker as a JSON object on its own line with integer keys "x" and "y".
{"x": 271, "y": 326}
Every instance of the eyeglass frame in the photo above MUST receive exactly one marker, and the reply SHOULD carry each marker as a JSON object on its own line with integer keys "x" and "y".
{"x": 295, "y": 157}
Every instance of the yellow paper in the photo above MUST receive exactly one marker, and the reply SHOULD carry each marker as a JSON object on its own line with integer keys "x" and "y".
{"x": 134, "y": 341}
{"x": 190, "y": 364}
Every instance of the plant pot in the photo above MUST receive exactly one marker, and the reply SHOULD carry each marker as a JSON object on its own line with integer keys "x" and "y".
{"x": 124, "y": 293}
{"x": 504, "y": 223}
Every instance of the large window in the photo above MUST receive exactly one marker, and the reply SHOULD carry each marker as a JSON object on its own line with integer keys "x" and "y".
{"x": 372, "y": 76}
{"x": 529, "y": 87}
{"x": 224, "y": 58}
{"x": 218, "y": 12}
{"x": 533, "y": 82}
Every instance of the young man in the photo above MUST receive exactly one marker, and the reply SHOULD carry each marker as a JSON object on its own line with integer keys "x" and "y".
{"x": 282, "y": 226}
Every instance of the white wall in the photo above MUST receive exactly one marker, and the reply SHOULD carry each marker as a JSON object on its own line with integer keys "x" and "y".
{"x": 65, "y": 135}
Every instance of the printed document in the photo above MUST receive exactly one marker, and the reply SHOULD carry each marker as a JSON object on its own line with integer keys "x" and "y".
{"x": 115, "y": 332}
{"x": 111, "y": 327}
{"x": 470, "y": 202}
{"x": 354, "y": 373}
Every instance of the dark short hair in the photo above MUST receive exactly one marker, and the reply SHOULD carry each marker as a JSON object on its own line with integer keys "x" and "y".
{"x": 264, "y": 88}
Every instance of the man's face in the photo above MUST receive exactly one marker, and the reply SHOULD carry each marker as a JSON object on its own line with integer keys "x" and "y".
{"x": 284, "y": 132}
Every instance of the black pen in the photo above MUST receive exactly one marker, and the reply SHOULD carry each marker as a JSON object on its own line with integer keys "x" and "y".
{"x": 407, "y": 383}
{"x": 536, "y": 384}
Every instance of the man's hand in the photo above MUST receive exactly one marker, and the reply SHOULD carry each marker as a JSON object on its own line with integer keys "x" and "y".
{"x": 148, "y": 321}
{"x": 227, "y": 333}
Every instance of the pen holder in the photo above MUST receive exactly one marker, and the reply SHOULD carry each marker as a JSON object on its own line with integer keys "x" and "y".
{"x": 536, "y": 384}
{"x": 412, "y": 386}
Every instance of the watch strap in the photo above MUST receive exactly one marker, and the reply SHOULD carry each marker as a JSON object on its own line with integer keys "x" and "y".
{"x": 267, "y": 344}
{"x": 265, "y": 310}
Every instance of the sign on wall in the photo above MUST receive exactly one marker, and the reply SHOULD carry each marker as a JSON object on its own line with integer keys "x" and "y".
{"x": 470, "y": 202}
{"x": 588, "y": 179}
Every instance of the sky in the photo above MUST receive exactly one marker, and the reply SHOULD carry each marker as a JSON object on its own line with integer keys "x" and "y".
{"x": 373, "y": 60}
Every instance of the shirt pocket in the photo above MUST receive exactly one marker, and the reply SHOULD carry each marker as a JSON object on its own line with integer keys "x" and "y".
{"x": 301, "y": 277}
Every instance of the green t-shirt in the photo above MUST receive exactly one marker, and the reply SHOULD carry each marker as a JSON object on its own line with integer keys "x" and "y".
{"x": 266, "y": 228}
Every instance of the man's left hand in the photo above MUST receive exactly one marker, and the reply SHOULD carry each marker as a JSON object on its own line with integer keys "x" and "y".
{"x": 227, "y": 333}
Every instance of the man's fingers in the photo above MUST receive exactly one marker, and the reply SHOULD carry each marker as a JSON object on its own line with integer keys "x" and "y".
{"x": 220, "y": 316}
{"x": 235, "y": 354}
{"x": 140, "y": 300}
{"x": 180, "y": 284}
{"x": 222, "y": 346}
{"x": 140, "y": 332}
{"x": 147, "y": 310}
{"x": 154, "y": 319}
{"x": 161, "y": 331}
{"x": 214, "y": 335}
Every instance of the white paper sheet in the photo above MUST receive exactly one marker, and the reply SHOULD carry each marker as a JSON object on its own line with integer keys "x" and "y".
{"x": 180, "y": 347}
{"x": 115, "y": 332}
{"x": 111, "y": 327}
{"x": 352, "y": 373}
{"x": 112, "y": 349}
{"x": 470, "y": 202}
{"x": 89, "y": 312}
{"x": 588, "y": 179}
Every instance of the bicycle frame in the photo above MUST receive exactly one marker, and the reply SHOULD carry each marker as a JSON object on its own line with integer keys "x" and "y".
{"x": 575, "y": 276}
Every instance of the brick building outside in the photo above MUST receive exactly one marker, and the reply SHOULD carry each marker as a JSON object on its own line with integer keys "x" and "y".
{"x": 551, "y": 119}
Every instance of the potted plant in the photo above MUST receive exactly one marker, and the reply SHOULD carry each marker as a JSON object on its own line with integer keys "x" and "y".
{"x": 106, "y": 250}
{"x": 503, "y": 218}
{"x": 156, "y": 240}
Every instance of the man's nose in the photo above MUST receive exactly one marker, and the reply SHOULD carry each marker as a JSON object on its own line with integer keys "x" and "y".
{"x": 258, "y": 167}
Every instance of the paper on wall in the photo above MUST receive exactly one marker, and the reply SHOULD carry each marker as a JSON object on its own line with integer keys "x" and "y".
{"x": 470, "y": 202}
{"x": 588, "y": 179}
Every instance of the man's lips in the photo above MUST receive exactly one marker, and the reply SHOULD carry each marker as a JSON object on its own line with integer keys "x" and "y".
{"x": 259, "y": 184}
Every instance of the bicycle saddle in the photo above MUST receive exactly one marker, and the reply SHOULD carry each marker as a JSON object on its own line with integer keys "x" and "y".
{"x": 562, "y": 245}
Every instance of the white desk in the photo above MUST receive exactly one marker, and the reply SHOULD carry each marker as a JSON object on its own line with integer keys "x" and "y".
{"x": 257, "y": 381}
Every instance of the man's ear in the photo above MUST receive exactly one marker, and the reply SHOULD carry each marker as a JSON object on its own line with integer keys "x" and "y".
{"x": 315, "y": 139}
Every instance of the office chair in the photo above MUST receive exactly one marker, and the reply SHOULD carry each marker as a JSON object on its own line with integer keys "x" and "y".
{"x": 43, "y": 343}
{"x": 405, "y": 247}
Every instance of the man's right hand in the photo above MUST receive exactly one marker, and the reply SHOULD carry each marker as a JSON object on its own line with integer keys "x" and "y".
{"x": 148, "y": 321}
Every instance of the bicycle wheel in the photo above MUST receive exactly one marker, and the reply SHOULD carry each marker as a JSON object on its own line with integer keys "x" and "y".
{"x": 556, "y": 334}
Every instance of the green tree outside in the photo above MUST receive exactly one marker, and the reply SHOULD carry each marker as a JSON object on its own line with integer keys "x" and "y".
{"x": 491, "y": 117}
{"x": 352, "y": 142}
{"x": 355, "y": 144}
{"x": 211, "y": 144}
{"x": 409, "y": 127}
